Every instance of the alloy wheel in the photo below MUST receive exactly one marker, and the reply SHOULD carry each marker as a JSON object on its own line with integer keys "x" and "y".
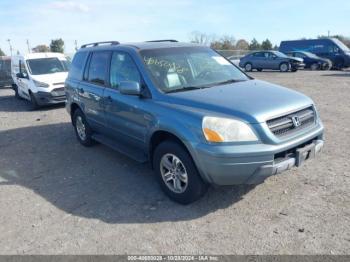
{"x": 174, "y": 173}
{"x": 80, "y": 127}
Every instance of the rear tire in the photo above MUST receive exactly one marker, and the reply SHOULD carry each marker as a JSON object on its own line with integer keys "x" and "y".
{"x": 82, "y": 129}
{"x": 284, "y": 67}
{"x": 339, "y": 65}
{"x": 177, "y": 174}
{"x": 248, "y": 67}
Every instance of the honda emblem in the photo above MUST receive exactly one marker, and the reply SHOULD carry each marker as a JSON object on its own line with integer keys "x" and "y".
{"x": 296, "y": 121}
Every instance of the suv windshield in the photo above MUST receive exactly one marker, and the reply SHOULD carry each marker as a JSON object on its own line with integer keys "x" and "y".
{"x": 185, "y": 68}
{"x": 43, "y": 66}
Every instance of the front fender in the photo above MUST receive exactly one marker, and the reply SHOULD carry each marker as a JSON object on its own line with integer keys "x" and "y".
{"x": 187, "y": 130}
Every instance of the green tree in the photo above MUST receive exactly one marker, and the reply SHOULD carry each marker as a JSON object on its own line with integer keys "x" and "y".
{"x": 266, "y": 45}
{"x": 57, "y": 45}
{"x": 2, "y": 53}
{"x": 41, "y": 49}
{"x": 242, "y": 45}
{"x": 254, "y": 45}
{"x": 226, "y": 42}
{"x": 275, "y": 47}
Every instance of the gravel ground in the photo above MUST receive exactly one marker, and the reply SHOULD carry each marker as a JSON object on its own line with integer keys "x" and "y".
{"x": 57, "y": 197}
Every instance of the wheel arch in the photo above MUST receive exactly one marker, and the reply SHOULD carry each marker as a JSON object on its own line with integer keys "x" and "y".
{"x": 73, "y": 108}
{"x": 160, "y": 136}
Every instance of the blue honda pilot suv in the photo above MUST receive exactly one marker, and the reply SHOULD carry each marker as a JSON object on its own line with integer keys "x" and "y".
{"x": 193, "y": 115}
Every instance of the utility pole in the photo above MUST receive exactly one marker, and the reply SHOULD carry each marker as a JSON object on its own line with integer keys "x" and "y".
{"x": 76, "y": 45}
{"x": 328, "y": 33}
{"x": 28, "y": 46}
{"x": 9, "y": 41}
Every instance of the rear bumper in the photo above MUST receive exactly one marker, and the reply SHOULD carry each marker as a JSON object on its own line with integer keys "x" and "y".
{"x": 253, "y": 163}
{"x": 49, "y": 98}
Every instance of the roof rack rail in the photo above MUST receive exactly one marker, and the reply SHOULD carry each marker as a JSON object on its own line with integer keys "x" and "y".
{"x": 101, "y": 43}
{"x": 164, "y": 40}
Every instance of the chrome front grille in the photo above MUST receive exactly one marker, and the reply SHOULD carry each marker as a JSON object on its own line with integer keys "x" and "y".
{"x": 58, "y": 92}
{"x": 293, "y": 122}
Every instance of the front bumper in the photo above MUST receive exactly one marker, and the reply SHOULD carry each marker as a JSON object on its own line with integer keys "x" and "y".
{"x": 298, "y": 65}
{"x": 50, "y": 98}
{"x": 253, "y": 163}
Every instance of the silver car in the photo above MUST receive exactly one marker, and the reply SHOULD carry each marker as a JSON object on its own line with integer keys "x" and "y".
{"x": 270, "y": 60}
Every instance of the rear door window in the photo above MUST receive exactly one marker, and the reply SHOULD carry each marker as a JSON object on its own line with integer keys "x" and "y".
{"x": 98, "y": 67}
{"x": 260, "y": 54}
{"x": 77, "y": 65}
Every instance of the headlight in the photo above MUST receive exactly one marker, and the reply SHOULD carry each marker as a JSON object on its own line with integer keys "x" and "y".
{"x": 40, "y": 84}
{"x": 217, "y": 129}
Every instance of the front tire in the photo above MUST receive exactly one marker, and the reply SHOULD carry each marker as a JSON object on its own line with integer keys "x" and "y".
{"x": 33, "y": 101}
{"x": 177, "y": 174}
{"x": 284, "y": 67}
{"x": 248, "y": 67}
{"x": 15, "y": 88}
{"x": 82, "y": 129}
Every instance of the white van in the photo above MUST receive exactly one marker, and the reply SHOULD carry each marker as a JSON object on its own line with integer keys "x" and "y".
{"x": 39, "y": 77}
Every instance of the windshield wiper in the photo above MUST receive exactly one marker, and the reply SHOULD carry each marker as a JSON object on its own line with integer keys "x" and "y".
{"x": 185, "y": 88}
{"x": 228, "y": 82}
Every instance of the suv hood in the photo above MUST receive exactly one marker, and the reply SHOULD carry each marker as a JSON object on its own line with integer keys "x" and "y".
{"x": 254, "y": 101}
{"x": 51, "y": 78}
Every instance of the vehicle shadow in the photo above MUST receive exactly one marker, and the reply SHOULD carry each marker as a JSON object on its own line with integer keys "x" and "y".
{"x": 95, "y": 182}
{"x": 345, "y": 74}
{"x": 9, "y": 103}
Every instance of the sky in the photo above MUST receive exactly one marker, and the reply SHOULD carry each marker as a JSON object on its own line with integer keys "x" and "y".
{"x": 85, "y": 21}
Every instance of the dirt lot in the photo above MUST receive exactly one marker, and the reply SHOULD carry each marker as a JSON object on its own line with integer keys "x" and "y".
{"x": 57, "y": 197}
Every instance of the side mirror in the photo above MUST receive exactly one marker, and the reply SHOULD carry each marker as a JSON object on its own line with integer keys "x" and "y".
{"x": 22, "y": 75}
{"x": 130, "y": 88}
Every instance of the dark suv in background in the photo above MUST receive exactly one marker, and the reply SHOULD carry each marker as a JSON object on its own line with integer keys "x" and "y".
{"x": 192, "y": 114}
{"x": 270, "y": 60}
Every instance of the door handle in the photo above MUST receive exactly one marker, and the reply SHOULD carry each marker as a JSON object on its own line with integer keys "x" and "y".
{"x": 109, "y": 99}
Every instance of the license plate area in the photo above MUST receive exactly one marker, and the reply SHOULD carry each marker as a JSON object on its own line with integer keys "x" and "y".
{"x": 304, "y": 153}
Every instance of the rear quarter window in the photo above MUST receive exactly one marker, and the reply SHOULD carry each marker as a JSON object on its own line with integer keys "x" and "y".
{"x": 77, "y": 66}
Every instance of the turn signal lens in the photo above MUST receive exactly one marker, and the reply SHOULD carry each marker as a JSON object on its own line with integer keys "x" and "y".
{"x": 212, "y": 136}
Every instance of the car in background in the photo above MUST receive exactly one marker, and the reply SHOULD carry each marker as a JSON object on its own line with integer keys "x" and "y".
{"x": 234, "y": 59}
{"x": 274, "y": 60}
{"x": 40, "y": 77}
{"x": 311, "y": 60}
{"x": 192, "y": 114}
{"x": 5, "y": 71}
{"x": 329, "y": 48}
